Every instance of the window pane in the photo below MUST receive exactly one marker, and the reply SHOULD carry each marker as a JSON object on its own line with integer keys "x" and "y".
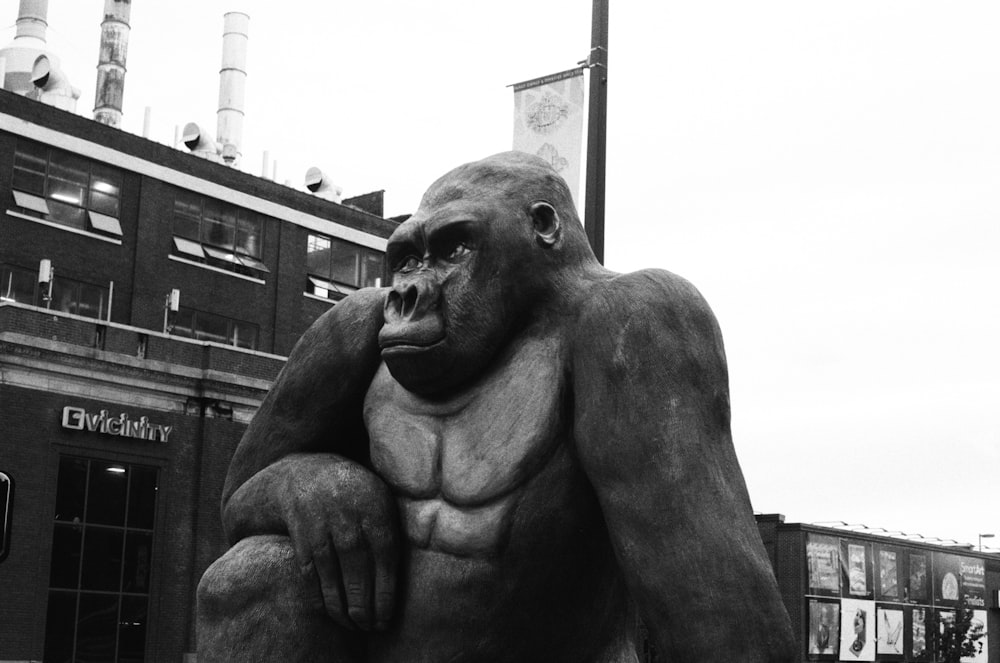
{"x": 96, "y": 629}
{"x": 142, "y": 498}
{"x": 187, "y": 217}
{"x": 105, "y": 189}
{"x": 71, "y": 489}
{"x": 106, "y": 500}
{"x": 183, "y": 323}
{"x": 102, "y": 559}
{"x": 29, "y": 169}
{"x": 132, "y": 630}
{"x": 344, "y": 263}
{"x": 138, "y": 550}
{"x": 105, "y": 223}
{"x": 248, "y": 234}
{"x": 17, "y": 285}
{"x": 63, "y": 295}
{"x": 65, "y": 569}
{"x": 67, "y": 215}
{"x": 92, "y": 300}
{"x": 60, "y": 621}
{"x": 69, "y": 179}
{"x": 218, "y": 224}
{"x": 371, "y": 268}
{"x": 103, "y": 203}
{"x": 318, "y": 256}
{"x": 244, "y": 335}
{"x": 211, "y": 328}
{"x": 31, "y": 203}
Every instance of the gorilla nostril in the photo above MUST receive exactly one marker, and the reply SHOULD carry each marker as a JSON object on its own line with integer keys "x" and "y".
{"x": 393, "y": 303}
{"x": 409, "y": 301}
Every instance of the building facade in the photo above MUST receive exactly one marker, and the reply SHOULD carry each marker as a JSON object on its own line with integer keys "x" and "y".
{"x": 856, "y": 596}
{"x": 148, "y": 298}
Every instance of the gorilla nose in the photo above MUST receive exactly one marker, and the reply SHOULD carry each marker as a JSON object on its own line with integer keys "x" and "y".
{"x": 410, "y": 301}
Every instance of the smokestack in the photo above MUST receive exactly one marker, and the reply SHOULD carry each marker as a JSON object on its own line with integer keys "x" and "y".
{"x": 111, "y": 62}
{"x": 232, "y": 85}
{"x": 29, "y": 42}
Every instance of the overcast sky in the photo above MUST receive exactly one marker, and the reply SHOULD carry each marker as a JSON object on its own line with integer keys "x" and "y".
{"x": 828, "y": 174}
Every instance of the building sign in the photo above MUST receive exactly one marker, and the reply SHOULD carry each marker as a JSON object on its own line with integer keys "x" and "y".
{"x": 77, "y": 418}
{"x": 958, "y": 578}
{"x": 6, "y": 512}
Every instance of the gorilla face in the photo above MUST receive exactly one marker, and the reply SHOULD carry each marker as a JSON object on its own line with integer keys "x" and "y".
{"x": 481, "y": 255}
{"x": 446, "y": 314}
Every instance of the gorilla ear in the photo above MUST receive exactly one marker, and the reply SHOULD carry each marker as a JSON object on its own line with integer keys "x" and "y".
{"x": 546, "y": 223}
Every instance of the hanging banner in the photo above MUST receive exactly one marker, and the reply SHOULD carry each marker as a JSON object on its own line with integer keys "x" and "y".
{"x": 824, "y": 627}
{"x": 548, "y": 122}
{"x": 856, "y": 569}
{"x": 889, "y": 628}
{"x": 823, "y": 562}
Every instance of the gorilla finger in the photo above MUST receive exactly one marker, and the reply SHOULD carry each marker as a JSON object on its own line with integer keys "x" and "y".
{"x": 355, "y": 567}
{"x": 328, "y": 570}
{"x": 384, "y": 559}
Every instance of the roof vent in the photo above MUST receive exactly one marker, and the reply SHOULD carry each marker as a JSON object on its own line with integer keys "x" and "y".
{"x": 318, "y": 183}
{"x": 51, "y": 85}
{"x": 200, "y": 142}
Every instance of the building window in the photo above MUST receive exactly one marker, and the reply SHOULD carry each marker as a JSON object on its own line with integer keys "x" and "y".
{"x": 66, "y": 189}
{"x": 218, "y": 234}
{"x": 102, "y": 546}
{"x": 17, "y": 285}
{"x": 68, "y": 295}
{"x": 216, "y": 328}
{"x": 336, "y": 268}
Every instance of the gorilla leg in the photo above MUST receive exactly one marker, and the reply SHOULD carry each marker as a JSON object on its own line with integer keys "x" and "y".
{"x": 254, "y": 605}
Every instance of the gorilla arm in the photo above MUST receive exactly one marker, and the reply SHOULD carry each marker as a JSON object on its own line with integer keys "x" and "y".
{"x": 300, "y": 468}
{"x": 652, "y": 432}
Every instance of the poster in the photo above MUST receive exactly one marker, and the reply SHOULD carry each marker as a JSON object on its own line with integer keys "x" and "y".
{"x": 857, "y": 631}
{"x": 918, "y": 578}
{"x": 889, "y": 630}
{"x": 548, "y": 122}
{"x": 918, "y": 642}
{"x": 824, "y": 627}
{"x": 823, "y": 562}
{"x": 856, "y": 569}
{"x": 973, "y": 575}
{"x": 979, "y": 626}
{"x": 888, "y": 574}
{"x": 947, "y": 578}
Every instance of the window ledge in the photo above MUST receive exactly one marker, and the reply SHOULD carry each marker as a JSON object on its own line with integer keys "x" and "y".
{"x": 59, "y": 226}
{"x": 216, "y": 269}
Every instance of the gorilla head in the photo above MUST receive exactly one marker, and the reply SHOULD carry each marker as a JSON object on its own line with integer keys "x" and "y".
{"x": 492, "y": 242}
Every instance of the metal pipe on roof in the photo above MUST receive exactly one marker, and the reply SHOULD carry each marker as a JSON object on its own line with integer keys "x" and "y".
{"x": 111, "y": 62}
{"x": 232, "y": 84}
{"x": 32, "y": 19}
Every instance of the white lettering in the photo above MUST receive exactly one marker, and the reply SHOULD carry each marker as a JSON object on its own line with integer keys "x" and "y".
{"x": 73, "y": 417}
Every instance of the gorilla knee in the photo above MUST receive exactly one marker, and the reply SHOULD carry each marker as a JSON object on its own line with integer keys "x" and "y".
{"x": 258, "y": 569}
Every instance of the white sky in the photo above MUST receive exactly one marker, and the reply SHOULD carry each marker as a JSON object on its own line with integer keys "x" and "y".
{"x": 826, "y": 173}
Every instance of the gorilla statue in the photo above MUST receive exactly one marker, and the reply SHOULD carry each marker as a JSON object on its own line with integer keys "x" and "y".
{"x": 507, "y": 456}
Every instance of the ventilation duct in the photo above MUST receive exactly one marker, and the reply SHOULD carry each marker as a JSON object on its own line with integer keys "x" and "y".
{"x": 232, "y": 85}
{"x": 51, "y": 85}
{"x": 320, "y": 185}
{"x": 18, "y": 58}
{"x": 200, "y": 142}
{"x": 111, "y": 62}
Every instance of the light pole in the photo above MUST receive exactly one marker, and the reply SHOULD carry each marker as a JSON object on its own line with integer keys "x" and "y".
{"x": 981, "y": 537}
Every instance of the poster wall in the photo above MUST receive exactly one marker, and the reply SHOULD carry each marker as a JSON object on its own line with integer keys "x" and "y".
{"x": 548, "y": 122}
{"x": 856, "y": 569}
{"x": 919, "y": 649}
{"x": 857, "y": 631}
{"x": 824, "y": 628}
{"x": 889, "y": 631}
{"x": 888, "y": 562}
{"x": 917, "y": 580}
{"x": 823, "y": 562}
{"x": 979, "y": 626}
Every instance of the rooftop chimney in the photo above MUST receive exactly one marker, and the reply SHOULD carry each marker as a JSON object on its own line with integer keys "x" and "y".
{"x": 29, "y": 42}
{"x": 232, "y": 85}
{"x": 111, "y": 62}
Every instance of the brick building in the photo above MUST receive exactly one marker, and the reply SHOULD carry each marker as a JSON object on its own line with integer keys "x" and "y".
{"x": 147, "y": 299}
{"x": 856, "y": 595}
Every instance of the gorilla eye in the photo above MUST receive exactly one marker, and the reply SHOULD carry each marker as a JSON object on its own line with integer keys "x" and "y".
{"x": 457, "y": 251}
{"x": 408, "y": 264}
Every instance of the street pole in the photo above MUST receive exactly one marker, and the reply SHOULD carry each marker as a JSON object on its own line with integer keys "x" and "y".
{"x": 981, "y": 537}
{"x": 597, "y": 123}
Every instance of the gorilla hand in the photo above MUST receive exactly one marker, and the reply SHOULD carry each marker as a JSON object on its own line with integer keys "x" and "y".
{"x": 343, "y": 526}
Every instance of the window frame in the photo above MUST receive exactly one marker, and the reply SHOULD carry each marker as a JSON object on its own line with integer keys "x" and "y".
{"x": 196, "y": 221}
{"x": 322, "y": 282}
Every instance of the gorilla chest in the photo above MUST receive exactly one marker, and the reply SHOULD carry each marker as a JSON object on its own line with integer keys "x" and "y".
{"x": 475, "y": 448}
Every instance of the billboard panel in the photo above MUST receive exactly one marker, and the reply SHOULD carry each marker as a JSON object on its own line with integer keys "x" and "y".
{"x": 857, "y": 631}
{"x": 824, "y": 628}
{"x": 823, "y": 563}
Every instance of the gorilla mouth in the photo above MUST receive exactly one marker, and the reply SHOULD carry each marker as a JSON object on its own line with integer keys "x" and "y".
{"x": 408, "y": 343}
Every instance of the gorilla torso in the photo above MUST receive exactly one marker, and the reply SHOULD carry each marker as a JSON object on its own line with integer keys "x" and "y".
{"x": 475, "y": 476}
